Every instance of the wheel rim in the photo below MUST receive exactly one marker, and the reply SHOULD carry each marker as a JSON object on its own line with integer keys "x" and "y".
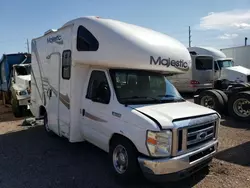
{"x": 238, "y": 107}
{"x": 120, "y": 159}
{"x": 208, "y": 102}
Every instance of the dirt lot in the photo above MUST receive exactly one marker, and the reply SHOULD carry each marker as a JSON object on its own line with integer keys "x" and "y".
{"x": 31, "y": 159}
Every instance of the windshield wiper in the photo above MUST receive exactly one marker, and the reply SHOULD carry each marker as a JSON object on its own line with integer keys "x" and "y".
{"x": 171, "y": 98}
{"x": 165, "y": 96}
{"x": 141, "y": 97}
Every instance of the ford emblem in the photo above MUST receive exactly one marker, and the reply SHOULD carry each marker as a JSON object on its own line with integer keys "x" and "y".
{"x": 201, "y": 135}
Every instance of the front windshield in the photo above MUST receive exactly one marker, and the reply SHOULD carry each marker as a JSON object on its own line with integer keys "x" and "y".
{"x": 225, "y": 63}
{"x": 143, "y": 87}
{"x": 23, "y": 70}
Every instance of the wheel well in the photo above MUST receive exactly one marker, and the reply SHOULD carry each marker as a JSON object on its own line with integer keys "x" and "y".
{"x": 42, "y": 111}
{"x": 117, "y": 136}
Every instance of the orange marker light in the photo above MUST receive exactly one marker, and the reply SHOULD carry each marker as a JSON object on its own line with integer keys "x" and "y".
{"x": 151, "y": 141}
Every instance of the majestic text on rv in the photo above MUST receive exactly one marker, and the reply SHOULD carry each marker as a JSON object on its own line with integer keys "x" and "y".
{"x": 103, "y": 81}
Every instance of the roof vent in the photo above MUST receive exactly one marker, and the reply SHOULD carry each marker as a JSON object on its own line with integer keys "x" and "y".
{"x": 50, "y": 31}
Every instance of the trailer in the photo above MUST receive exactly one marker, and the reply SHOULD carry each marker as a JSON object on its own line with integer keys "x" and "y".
{"x": 239, "y": 54}
{"x": 103, "y": 81}
{"x": 15, "y": 81}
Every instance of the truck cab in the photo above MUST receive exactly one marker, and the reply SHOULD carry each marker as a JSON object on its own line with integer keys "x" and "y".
{"x": 220, "y": 67}
{"x": 105, "y": 82}
{"x": 21, "y": 88}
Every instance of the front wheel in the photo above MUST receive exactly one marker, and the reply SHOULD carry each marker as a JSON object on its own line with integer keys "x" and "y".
{"x": 16, "y": 109}
{"x": 211, "y": 99}
{"x": 124, "y": 155}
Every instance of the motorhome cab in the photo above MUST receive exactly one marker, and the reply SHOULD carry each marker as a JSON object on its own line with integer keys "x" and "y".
{"x": 103, "y": 81}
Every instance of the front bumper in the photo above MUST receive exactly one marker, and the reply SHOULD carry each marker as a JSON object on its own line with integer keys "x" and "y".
{"x": 172, "y": 169}
{"x": 23, "y": 100}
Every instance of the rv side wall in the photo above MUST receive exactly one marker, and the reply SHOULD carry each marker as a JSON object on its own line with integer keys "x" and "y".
{"x": 50, "y": 82}
{"x": 78, "y": 83}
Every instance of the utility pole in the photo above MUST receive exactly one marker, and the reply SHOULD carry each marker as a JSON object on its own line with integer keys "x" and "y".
{"x": 28, "y": 45}
{"x": 189, "y": 36}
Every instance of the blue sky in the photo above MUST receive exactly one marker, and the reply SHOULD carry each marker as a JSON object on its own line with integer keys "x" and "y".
{"x": 217, "y": 23}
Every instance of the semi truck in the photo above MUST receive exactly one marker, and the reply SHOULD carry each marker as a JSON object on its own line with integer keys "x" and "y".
{"x": 216, "y": 82}
{"x": 240, "y": 55}
{"x": 104, "y": 81}
{"x": 210, "y": 66}
{"x": 15, "y": 81}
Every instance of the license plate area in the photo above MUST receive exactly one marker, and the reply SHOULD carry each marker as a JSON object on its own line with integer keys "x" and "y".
{"x": 201, "y": 154}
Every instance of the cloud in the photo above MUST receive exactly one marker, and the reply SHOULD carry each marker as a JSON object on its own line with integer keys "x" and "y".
{"x": 235, "y": 19}
{"x": 227, "y": 36}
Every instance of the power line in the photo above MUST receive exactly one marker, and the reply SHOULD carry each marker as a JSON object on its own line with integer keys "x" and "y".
{"x": 28, "y": 46}
{"x": 189, "y": 36}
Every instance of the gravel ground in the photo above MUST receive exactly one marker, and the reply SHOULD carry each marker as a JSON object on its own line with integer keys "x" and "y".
{"x": 29, "y": 158}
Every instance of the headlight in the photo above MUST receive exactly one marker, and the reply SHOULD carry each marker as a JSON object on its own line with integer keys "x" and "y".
{"x": 24, "y": 92}
{"x": 159, "y": 143}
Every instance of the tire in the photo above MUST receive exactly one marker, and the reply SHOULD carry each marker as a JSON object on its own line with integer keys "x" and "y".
{"x": 132, "y": 167}
{"x": 46, "y": 127}
{"x": 214, "y": 97}
{"x": 225, "y": 100}
{"x": 16, "y": 109}
{"x": 232, "y": 106}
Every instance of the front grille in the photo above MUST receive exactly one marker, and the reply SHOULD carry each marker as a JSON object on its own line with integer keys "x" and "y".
{"x": 191, "y": 134}
{"x": 198, "y": 135}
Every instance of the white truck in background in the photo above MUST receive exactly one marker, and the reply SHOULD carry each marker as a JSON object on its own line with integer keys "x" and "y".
{"x": 103, "y": 81}
{"x": 240, "y": 55}
{"x": 20, "y": 88}
{"x": 217, "y": 82}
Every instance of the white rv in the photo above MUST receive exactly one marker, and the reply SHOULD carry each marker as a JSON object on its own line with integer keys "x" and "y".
{"x": 103, "y": 81}
{"x": 208, "y": 66}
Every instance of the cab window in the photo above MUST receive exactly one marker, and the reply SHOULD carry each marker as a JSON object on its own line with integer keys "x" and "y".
{"x": 98, "y": 88}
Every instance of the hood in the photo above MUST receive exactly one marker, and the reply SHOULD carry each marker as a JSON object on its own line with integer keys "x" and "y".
{"x": 167, "y": 112}
{"x": 240, "y": 69}
{"x": 26, "y": 77}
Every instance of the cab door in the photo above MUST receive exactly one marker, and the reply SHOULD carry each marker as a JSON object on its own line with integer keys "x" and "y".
{"x": 203, "y": 72}
{"x": 51, "y": 82}
{"x": 96, "y": 109}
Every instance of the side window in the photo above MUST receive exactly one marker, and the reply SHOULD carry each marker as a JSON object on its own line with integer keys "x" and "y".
{"x": 66, "y": 64}
{"x": 98, "y": 88}
{"x": 203, "y": 63}
{"x": 85, "y": 40}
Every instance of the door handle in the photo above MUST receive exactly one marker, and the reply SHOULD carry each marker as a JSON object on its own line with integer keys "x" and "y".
{"x": 49, "y": 93}
{"x": 83, "y": 112}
